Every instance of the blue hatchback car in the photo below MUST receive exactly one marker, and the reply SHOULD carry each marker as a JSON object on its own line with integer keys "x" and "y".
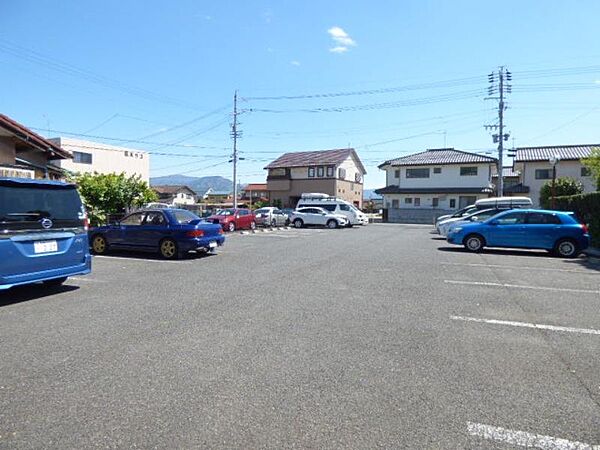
{"x": 43, "y": 232}
{"x": 171, "y": 232}
{"x": 556, "y": 231}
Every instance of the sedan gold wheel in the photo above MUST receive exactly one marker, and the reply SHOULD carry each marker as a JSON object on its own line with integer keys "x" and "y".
{"x": 99, "y": 245}
{"x": 168, "y": 249}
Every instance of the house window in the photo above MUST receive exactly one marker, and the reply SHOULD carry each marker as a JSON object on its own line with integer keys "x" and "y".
{"x": 435, "y": 202}
{"x": 543, "y": 174}
{"x": 277, "y": 172}
{"x": 586, "y": 172}
{"x": 395, "y": 204}
{"x": 417, "y": 173}
{"x": 408, "y": 200}
{"x": 311, "y": 172}
{"x": 82, "y": 158}
{"x": 437, "y": 170}
{"x": 330, "y": 171}
{"x": 342, "y": 174}
{"x": 320, "y": 171}
{"x": 452, "y": 203}
{"x": 468, "y": 171}
{"x": 397, "y": 173}
{"x": 417, "y": 201}
{"x": 126, "y": 153}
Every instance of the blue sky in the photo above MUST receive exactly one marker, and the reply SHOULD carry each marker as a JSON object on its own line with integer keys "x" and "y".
{"x": 163, "y": 74}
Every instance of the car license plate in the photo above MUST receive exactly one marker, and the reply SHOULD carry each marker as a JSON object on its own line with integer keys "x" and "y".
{"x": 212, "y": 244}
{"x": 45, "y": 246}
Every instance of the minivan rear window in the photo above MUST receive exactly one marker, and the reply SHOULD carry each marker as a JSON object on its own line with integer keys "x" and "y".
{"x": 30, "y": 204}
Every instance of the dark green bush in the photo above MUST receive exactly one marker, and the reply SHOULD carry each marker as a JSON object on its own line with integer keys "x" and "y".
{"x": 564, "y": 186}
{"x": 587, "y": 209}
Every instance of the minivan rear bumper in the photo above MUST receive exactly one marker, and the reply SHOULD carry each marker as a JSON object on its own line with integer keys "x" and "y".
{"x": 9, "y": 281}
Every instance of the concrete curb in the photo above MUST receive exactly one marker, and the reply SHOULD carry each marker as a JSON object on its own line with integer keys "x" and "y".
{"x": 592, "y": 251}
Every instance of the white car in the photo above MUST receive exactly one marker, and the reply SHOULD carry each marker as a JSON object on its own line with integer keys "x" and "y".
{"x": 313, "y": 216}
{"x": 334, "y": 205}
{"x": 478, "y": 216}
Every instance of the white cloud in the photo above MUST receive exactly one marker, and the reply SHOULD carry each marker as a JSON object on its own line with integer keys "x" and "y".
{"x": 295, "y": 63}
{"x": 339, "y": 49}
{"x": 341, "y": 39}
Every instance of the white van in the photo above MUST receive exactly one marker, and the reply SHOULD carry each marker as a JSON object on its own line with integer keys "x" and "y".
{"x": 334, "y": 205}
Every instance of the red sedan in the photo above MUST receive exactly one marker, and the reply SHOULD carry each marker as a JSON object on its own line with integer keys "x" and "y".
{"x": 234, "y": 219}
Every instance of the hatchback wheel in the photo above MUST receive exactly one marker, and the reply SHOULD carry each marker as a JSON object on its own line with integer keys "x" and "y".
{"x": 274, "y": 222}
{"x": 253, "y": 225}
{"x": 99, "y": 245}
{"x": 298, "y": 223}
{"x": 474, "y": 243}
{"x": 231, "y": 226}
{"x": 168, "y": 249}
{"x": 331, "y": 224}
{"x": 566, "y": 248}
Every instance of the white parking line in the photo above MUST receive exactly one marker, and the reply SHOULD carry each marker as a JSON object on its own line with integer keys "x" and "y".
{"x": 528, "y": 325}
{"x": 144, "y": 260}
{"x": 525, "y": 439}
{"x": 500, "y": 266}
{"x": 519, "y": 286}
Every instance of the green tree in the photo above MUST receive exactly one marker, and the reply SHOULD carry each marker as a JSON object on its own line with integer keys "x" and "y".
{"x": 563, "y": 186}
{"x": 112, "y": 193}
{"x": 592, "y": 162}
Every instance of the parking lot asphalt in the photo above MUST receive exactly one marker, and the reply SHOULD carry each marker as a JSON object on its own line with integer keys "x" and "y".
{"x": 372, "y": 337}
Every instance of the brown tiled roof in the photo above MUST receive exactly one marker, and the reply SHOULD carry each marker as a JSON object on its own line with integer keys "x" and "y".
{"x": 35, "y": 140}
{"x": 566, "y": 152}
{"x": 172, "y": 189}
{"x": 439, "y": 156}
{"x": 316, "y": 158}
{"x": 256, "y": 187}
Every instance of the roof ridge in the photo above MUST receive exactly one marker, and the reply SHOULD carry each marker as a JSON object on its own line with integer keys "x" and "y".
{"x": 558, "y": 146}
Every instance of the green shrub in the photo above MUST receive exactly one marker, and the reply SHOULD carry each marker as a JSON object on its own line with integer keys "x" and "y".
{"x": 587, "y": 209}
{"x": 564, "y": 186}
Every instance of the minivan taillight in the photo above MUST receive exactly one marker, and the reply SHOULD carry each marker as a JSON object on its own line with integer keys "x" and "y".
{"x": 584, "y": 228}
{"x": 195, "y": 233}
{"x": 86, "y": 223}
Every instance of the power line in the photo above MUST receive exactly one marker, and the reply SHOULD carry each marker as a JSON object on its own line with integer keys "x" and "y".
{"x": 125, "y": 140}
{"x": 432, "y": 85}
{"x": 69, "y": 69}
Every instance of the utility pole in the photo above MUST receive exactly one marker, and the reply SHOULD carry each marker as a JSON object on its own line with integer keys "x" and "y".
{"x": 502, "y": 77}
{"x": 235, "y": 134}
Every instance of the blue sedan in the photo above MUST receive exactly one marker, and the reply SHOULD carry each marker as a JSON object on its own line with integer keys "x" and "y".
{"x": 170, "y": 232}
{"x": 556, "y": 231}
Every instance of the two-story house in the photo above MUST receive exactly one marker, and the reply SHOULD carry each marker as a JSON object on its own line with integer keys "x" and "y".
{"x": 534, "y": 164}
{"x": 94, "y": 157}
{"x": 422, "y": 186}
{"x": 175, "y": 195}
{"x": 25, "y": 154}
{"x": 339, "y": 173}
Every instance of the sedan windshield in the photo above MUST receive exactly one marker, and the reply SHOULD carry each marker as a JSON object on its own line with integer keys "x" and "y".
{"x": 226, "y": 212}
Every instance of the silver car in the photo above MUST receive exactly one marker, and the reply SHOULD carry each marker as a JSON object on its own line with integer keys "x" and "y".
{"x": 271, "y": 217}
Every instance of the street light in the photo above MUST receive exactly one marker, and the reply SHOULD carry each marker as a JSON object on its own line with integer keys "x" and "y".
{"x": 554, "y": 160}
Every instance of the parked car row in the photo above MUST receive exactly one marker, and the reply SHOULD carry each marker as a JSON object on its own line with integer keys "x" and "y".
{"x": 558, "y": 232}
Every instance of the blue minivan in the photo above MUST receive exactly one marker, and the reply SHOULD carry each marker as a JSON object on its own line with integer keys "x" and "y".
{"x": 43, "y": 232}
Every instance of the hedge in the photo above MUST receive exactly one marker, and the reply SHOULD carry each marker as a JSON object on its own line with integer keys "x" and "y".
{"x": 587, "y": 208}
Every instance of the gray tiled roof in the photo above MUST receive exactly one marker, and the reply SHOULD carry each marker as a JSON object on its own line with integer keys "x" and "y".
{"x": 316, "y": 158}
{"x": 439, "y": 156}
{"x": 507, "y": 172}
{"x": 566, "y": 152}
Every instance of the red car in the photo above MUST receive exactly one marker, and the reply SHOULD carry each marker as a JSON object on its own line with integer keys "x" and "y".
{"x": 234, "y": 219}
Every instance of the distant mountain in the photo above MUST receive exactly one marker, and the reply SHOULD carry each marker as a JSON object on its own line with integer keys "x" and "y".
{"x": 369, "y": 194}
{"x": 197, "y": 184}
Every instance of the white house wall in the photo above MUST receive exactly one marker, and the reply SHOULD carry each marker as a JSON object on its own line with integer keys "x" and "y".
{"x": 563, "y": 169}
{"x": 450, "y": 177}
{"x": 105, "y": 158}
